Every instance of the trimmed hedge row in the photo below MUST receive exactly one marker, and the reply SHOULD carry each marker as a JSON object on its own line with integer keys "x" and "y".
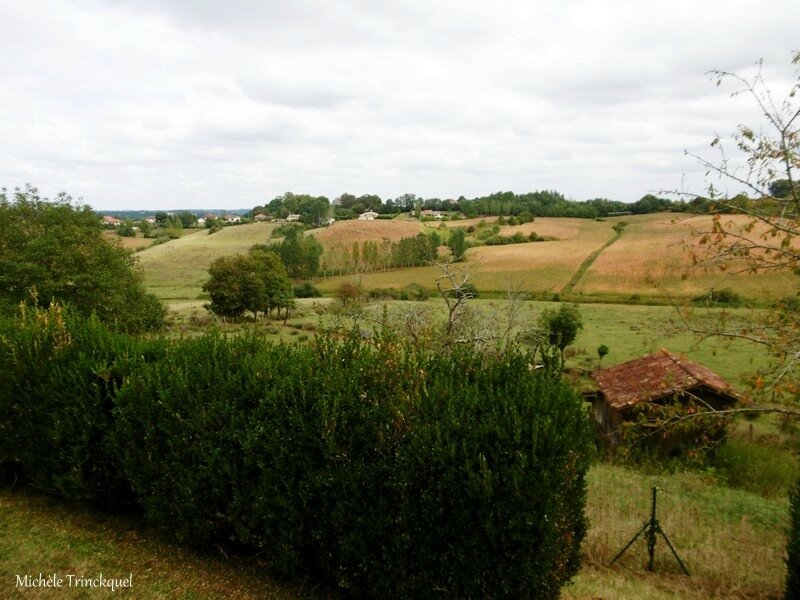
{"x": 393, "y": 472}
{"x": 60, "y": 377}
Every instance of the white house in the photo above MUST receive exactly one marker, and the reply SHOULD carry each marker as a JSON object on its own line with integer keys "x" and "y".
{"x": 292, "y": 217}
{"x": 368, "y": 216}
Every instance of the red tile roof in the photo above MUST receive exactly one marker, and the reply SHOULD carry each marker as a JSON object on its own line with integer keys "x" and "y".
{"x": 655, "y": 376}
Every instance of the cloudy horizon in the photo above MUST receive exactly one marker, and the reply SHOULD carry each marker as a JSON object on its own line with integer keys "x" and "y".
{"x": 147, "y": 104}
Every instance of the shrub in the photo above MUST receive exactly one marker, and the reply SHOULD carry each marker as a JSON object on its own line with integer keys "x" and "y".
{"x": 518, "y": 238}
{"x": 792, "y": 591}
{"x": 407, "y": 474}
{"x": 468, "y": 289}
{"x": 416, "y": 292}
{"x": 470, "y": 481}
{"x": 307, "y": 290}
{"x": 769, "y": 471}
{"x": 61, "y": 373}
{"x": 713, "y": 297}
{"x": 384, "y": 294}
{"x": 348, "y": 292}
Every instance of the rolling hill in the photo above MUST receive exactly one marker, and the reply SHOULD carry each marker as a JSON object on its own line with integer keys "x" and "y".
{"x": 647, "y": 261}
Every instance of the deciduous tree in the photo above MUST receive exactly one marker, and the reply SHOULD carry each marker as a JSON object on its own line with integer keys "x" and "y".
{"x": 763, "y": 234}
{"x": 561, "y": 326}
{"x": 55, "y": 250}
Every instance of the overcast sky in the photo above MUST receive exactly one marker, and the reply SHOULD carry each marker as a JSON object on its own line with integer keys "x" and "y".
{"x": 197, "y": 103}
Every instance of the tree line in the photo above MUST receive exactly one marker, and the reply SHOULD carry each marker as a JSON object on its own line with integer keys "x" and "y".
{"x": 317, "y": 210}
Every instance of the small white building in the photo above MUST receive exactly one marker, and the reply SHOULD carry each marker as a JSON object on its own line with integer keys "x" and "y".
{"x": 368, "y": 216}
{"x": 292, "y": 217}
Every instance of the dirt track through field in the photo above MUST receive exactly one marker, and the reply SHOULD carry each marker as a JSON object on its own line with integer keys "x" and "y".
{"x": 586, "y": 264}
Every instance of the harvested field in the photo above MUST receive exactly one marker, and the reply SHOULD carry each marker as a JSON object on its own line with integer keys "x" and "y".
{"x": 347, "y": 232}
{"x": 539, "y": 266}
{"x": 561, "y": 229}
{"x": 651, "y": 259}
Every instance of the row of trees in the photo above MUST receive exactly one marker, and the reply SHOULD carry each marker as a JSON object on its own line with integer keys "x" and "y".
{"x": 315, "y": 210}
{"x": 371, "y": 255}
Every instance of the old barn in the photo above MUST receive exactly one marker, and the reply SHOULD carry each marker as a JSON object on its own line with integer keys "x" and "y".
{"x": 659, "y": 378}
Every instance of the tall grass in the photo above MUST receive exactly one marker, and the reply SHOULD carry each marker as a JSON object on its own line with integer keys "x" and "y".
{"x": 732, "y": 541}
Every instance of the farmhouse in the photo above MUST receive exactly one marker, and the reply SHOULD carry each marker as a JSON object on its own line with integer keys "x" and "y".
{"x": 293, "y": 217}
{"x": 657, "y": 378}
{"x": 368, "y": 216}
{"x": 435, "y": 214}
{"x": 107, "y": 220}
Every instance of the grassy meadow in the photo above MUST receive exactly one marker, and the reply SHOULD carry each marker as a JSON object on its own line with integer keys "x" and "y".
{"x": 41, "y": 535}
{"x": 176, "y": 270}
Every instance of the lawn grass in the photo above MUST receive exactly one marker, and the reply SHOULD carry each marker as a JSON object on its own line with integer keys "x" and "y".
{"x": 40, "y": 535}
{"x": 135, "y": 243}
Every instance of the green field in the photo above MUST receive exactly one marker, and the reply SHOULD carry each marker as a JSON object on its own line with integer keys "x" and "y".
{"x": 176, "y": 270}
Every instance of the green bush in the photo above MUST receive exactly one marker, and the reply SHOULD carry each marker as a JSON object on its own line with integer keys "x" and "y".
{"x": 384, "y": 294}
{"x": 406, "y": 474}
{"x": 468, "y": 289}
{"x": 416, "y": 292}
{"x": 60, "y": 377}
{"x": 306, "y": 290}
{"x": 725, "y": 297}
{"x": 469, "y": 481}
{"x": 792, "y": 591}
{"x": 766, "y": 470}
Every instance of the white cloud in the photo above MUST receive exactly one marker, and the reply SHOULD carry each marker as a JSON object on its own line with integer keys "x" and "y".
{"x": 168, "y": 103}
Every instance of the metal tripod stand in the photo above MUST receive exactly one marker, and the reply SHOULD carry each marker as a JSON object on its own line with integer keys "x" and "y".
{"x": 649, "y": 530}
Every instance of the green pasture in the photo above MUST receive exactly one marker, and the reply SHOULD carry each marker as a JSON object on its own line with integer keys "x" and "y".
{"x": 628, "y": 330}
{"x": 177, "y": 269}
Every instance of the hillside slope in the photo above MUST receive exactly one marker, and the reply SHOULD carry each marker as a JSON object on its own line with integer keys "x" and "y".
{"x": 177, "y": 269}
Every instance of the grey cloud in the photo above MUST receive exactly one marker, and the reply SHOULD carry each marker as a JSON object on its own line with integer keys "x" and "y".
{"x": 289, "y": 93}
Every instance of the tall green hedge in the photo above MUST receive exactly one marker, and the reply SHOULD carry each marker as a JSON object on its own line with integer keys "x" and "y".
{"x": 392, "y": 471}
{"x": 792, "y": 591}
{"x": 61, "y": 373}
